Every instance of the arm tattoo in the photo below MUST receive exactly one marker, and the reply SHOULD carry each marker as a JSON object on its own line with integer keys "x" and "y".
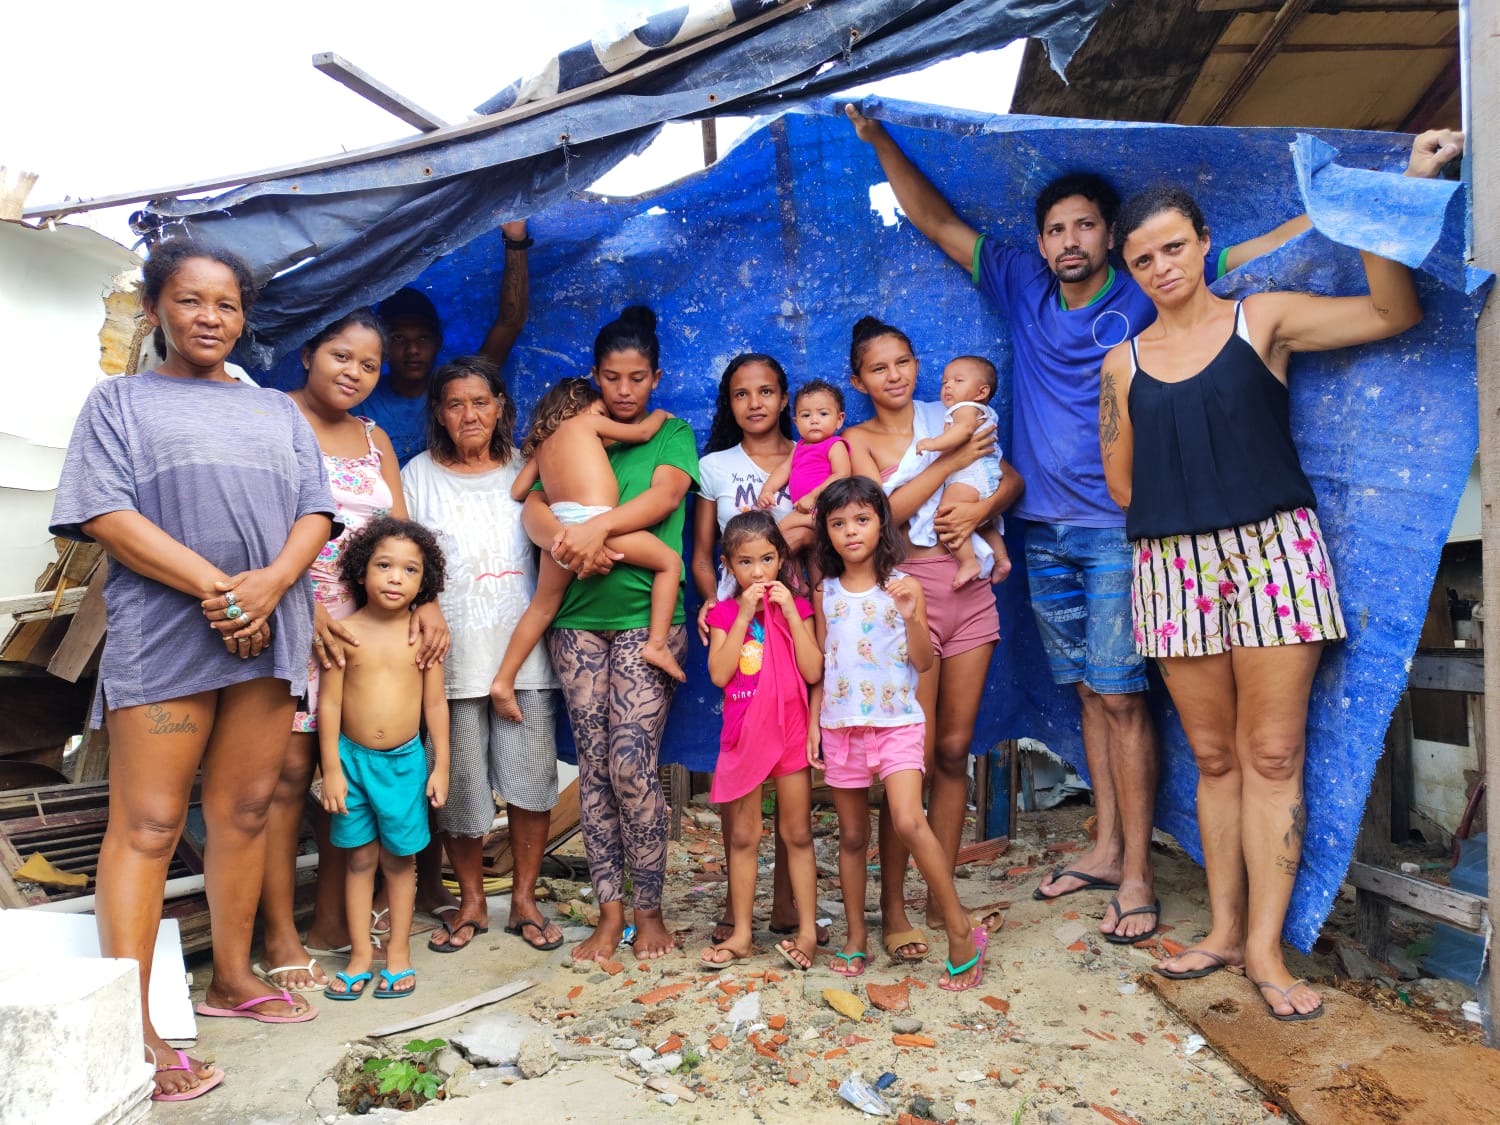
{"x": 1109, "y": 413}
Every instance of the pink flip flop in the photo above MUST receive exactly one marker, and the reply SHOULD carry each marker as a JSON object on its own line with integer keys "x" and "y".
{"x": 242, "y": 1011}
{"x": 203, "y": 1087}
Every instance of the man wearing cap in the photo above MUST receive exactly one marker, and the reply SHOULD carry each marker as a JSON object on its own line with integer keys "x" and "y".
{"x": 399, "y": 402}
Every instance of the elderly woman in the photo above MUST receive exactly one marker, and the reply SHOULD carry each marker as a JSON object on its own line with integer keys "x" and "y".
{"x": 210, "y": 498}
{"x": 460, "y": 487}
{"x": 1233, "y": 591}
{"x": 617, "y": 702}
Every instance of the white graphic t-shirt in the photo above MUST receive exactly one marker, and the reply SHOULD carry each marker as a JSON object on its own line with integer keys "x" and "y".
{"x": 491, "y": 570}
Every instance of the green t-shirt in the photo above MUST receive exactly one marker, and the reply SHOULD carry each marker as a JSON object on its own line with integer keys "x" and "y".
{"x": 621, "y": 599}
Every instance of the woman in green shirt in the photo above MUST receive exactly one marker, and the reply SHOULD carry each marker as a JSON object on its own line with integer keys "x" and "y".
{"x": 617, "y": 703}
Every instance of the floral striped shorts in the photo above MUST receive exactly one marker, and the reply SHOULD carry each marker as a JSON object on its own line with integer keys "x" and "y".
{"x": 1257, "y": 585}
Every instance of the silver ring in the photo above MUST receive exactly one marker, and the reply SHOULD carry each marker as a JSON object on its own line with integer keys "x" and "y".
{"x": 234, "y": 612}
{"x": 229, "y": 598}
{"x": 317, "y": 640}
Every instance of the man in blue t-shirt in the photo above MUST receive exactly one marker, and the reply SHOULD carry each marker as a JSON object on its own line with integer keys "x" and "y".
{"x": 1067, "y": 306}
{"x": 415, "y": 335}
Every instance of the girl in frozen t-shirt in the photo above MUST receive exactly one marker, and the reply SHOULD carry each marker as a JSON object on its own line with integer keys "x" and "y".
{"x": 762, "y": 652}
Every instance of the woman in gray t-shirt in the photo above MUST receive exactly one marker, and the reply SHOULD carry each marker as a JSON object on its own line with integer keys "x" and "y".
{"x": 210, "y": 498}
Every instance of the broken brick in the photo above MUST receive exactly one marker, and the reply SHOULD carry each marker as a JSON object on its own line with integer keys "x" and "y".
{"x": 668, "y": 1045}
{"x": 1001, "y": 1006}
{"x": 796, "y": 1076}
{"x": 776, "y": 1023}
{"x": 665, "y": 992}
{"x": 575, "y": 992}
{"x": 913, "y": 1041}
{"x": 837, "y": 1052}
{"x": 889, "y": 997}
{"x": 719, "y": 1042}
{"x": 1077, "y": 947}
{"x": 612, "y": 967}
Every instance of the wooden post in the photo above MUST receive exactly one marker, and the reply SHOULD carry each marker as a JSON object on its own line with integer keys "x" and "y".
{"x": 1484, "y": 157}
{"x": 1373, "y": 910}
{"x": 710, "y": 130}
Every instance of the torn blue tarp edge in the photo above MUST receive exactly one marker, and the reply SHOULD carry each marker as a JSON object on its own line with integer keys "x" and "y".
{"x": 1402, "y": 218}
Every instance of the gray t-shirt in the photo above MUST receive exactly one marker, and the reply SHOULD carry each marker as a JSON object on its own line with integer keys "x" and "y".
{"x": 223, "y": 468}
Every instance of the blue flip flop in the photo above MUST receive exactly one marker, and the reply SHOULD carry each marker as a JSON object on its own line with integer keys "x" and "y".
{"x": 350, "y": 992}
{"x": 389, "y": 991}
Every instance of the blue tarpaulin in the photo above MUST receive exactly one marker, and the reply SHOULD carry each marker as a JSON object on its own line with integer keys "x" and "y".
{"x": 777, "y": 248}
{"x": 347, "y": 236}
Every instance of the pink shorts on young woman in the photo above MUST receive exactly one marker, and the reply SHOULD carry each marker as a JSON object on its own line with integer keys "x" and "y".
{"x": 957, "y": 620}
{"x": 853, "y": 757}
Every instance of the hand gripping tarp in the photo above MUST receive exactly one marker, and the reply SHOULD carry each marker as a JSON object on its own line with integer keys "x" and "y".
{"x": 776, "y": 249}
{"x": 359, "y": 232}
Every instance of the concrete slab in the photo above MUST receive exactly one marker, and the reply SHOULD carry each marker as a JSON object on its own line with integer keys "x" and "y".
{"x": 70, "y": 1037}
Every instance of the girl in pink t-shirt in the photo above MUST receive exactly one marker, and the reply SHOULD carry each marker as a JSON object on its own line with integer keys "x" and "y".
{"x": 762, "y": 652}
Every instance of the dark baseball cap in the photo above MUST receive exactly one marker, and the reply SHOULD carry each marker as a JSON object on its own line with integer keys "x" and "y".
{"x": 409, "y": 304}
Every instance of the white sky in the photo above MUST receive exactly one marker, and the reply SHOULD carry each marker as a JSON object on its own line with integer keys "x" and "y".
{"x": 122, "y": 97}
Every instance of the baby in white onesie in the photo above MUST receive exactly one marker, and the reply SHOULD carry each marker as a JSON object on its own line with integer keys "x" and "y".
{"x": 968, "y": 385}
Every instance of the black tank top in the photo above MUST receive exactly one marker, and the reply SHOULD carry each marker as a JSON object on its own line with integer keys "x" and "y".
{"x": 1214, "y": 450}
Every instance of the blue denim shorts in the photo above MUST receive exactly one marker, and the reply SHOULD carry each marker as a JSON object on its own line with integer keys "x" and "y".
{"x": 1080, "y": 581}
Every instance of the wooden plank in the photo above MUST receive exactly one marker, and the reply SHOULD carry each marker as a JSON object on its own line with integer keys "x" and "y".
{"x": 91, "y": 763}
{"x": 11, "y": 895}
{"x": 1398, "y": 748}
{"x": 47, "y": 603}
{"x": 1256, "y": 62}
{"x": 1357, "y": 1065}
{"x": 681, "y": 794}
{"x": 493, "y": 996}
{"x": 1455, "y": 670}
{"x": 473, "y": 127}
{"x": 1443, "y": 903}
{"x": 84, "y": 635}
{"x": 345, "y": 73}
{"x": 1482, "y": 79}
{"x": 1373, "y": 847}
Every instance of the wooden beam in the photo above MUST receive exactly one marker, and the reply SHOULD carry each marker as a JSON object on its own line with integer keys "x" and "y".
{"x": 493, "y": 996}
{"x": 1372, "y": 849}
{"x": 473, "y": 127}
{"x": 84, "y": 636}
{"x": 1482, "y": 78}
{"x": 344, "y": 72}
{"x": 1287, "y": 18}
{"x": 48, "y": 603}
{"x": 710, "y": 129}
{"x": 1443, "y": 903}
{"x": 1423, "y": 114}
{"x": 1450, "y": 670}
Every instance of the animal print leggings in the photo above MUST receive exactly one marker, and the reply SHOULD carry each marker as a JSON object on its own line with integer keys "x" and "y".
{"x": 617, "y": 704}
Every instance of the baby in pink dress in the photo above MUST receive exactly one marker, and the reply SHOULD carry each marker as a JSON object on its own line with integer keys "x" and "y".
{"x": 821, "y": 457}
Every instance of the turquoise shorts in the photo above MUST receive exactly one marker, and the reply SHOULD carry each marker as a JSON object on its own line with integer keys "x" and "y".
{"x": 387, "y": 797}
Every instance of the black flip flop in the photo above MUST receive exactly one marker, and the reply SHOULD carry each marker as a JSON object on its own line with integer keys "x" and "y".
{"x": 519, "y": 930}
{"x": 1216, "y": 963}
{"x": 453, "y": 933}
{"x": 1121, "y": 915}
{"x": 1090, "y": 883}
{"x": 1293, "y": 1016}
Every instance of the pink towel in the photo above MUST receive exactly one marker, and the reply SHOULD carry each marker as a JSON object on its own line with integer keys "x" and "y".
{"x": 773, "y": 740}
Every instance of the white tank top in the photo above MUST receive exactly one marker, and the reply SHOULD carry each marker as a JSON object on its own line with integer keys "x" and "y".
{"x": 868, "y": 681}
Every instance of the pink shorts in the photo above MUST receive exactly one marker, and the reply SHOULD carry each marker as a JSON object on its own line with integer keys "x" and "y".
{"x": 957, "y": 620}
{"x": 853, "y": 757}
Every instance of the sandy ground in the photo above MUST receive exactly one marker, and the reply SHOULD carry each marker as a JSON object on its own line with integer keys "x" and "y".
{"x": 1058, "y": 1031}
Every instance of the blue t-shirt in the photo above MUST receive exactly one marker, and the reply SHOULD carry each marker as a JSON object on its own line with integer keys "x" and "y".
{"x": 403, "y": 419}
{"x": 1057, "y": 355}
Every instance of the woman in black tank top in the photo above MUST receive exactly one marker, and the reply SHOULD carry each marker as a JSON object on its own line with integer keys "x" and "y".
{"x": 1233, "y": 592}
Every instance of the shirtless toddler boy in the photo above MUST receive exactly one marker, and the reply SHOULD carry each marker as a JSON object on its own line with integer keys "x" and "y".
{"x": 375, "y": 775}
